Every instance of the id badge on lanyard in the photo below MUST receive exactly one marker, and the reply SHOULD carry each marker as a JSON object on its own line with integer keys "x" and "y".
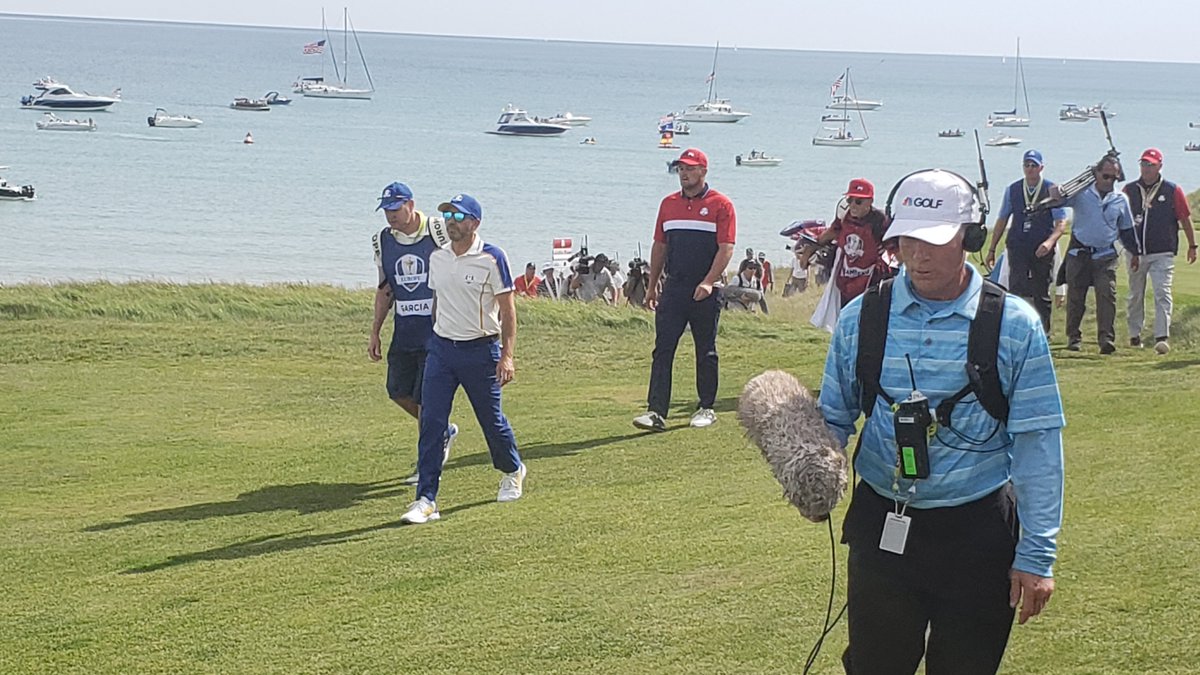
{"x": 896, "y": 524}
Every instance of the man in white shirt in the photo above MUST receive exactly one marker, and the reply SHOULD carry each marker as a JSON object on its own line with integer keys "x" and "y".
{"x": 474, "y": 334}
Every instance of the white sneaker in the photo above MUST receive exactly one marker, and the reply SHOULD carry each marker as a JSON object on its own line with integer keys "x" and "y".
{"x": 451, "y": 434}
{"x": 651, "y": 421}
{"x": 511, "y": 485}
{"x": 420, "y": 511}
{"x": 704, "y": 417}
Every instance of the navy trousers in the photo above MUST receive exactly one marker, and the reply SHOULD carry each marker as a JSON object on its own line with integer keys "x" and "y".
{"x": 473, "y": 366}
{"x": 676, "y": 311}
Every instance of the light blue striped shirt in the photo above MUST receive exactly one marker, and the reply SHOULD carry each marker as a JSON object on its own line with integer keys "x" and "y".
{"x": 1027, "y": 451}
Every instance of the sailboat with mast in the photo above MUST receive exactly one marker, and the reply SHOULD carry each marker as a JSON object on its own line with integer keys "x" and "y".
{"x": 712, "y": 109}
{"x": 340, "y": 88}
{"x": 1010, "y": 118}
{"x": 842, "y": 136}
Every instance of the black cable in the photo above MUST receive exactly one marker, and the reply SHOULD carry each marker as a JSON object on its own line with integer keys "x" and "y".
{"x": 828, "y": 627}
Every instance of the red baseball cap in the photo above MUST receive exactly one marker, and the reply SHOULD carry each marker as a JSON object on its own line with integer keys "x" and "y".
{"x": 1152, "y": 155}
{"x": 693, "y": 157}
{"x": 861, "y": 187}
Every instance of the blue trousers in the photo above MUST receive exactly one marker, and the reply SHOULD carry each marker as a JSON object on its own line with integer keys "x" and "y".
{"x": 473, "y": 365}
{"x": 677, "y": 311}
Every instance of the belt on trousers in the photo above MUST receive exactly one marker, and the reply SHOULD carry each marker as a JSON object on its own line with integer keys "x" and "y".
{"x": 486, "y": 339}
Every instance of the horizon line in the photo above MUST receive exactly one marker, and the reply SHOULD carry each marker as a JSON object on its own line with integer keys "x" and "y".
{"x": 176, "y": 22}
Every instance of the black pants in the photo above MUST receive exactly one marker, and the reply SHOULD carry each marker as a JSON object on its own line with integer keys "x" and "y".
{"x": 952, "y": 581}
{"x": 676, "y": 311}
{"x": 1029, "y": 278}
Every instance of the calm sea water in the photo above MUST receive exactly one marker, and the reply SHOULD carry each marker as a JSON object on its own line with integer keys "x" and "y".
{"x": 131, "y": 202}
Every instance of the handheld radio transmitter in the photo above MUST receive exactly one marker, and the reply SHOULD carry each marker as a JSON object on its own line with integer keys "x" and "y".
{"x": 913, "y": 423}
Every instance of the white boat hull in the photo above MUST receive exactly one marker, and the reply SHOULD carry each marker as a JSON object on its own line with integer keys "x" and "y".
{"x": 859, "y": 105}
{"x": 171, "y": 122}
{"x": 725, "y": 117}
{"x": 1008, "y": 122}
{"x": 839, "y": 142}
{"x": 773, "y": 161}
{"x": 66, "y": 125}
{"x": 1003, "y": 142}
{"x": 338, "y": 92}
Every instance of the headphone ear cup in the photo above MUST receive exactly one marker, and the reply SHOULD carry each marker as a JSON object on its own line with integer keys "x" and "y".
{"x": 975, "y": 237}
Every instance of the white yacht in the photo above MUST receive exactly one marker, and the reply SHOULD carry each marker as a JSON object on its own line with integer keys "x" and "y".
{"x": 52, "y": 122}
{"x": 838, "y": 138}
{"x": 63, "y": 97}
{"x": 1010, "y": 118}
{"x": 322, "y": 88}
{"x": 712, "y": 109}
{"x": 160, "y": 118}
{"x": 338, "y": 91}
{"x": 851, "y": 103}
{"x": 516, "y": 122}
{"x": 1073, "y": 113}
{"x": 251, "y": 104}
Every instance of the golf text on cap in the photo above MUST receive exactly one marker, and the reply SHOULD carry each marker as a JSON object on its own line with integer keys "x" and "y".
{"x": 922, "y": 202}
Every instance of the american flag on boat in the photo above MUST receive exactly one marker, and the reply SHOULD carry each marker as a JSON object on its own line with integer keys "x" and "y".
{"x": 837, "y": 84}
{"x": 315, "y": 47}
{"x": 711, "y": 76}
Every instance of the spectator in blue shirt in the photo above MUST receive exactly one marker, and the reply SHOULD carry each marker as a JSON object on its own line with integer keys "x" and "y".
{"x": 1101, "y": 212}
{"x": 949, "y": 591}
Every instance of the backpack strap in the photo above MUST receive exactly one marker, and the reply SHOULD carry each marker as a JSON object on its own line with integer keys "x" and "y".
{"x": 983, "y": 344}
{"x": 872, "y": 338}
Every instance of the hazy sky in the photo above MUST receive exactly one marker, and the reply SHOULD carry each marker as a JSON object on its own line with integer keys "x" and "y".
{"x": 1096, "y": 29}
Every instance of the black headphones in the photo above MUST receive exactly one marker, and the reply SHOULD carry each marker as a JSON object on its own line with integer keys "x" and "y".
{"x": 976, "y": 234}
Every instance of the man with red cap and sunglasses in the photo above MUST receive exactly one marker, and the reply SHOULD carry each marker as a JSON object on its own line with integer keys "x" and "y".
{"x": 1160, "y": 210}
{"x": 859, "y": 233}
{"x": 693, "y": 244}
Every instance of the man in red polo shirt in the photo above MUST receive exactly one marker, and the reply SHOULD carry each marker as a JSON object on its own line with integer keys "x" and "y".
{"x": 693, "y": 244}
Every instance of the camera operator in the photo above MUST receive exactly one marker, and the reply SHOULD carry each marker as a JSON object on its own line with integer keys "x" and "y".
{"x": 637, "y": 283}
{"x": 592, "y": 279}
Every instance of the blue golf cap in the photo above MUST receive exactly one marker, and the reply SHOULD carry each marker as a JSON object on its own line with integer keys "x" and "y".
{"x": 394, "y": 196}
{"x": 1033, "y": 156}
{"x": 465, "y": 204}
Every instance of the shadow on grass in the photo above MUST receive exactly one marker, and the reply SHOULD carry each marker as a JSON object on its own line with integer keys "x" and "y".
{"x": 303, "y": 499}
{"x": 543, "y": 450}
{"x": 280, "y": 543}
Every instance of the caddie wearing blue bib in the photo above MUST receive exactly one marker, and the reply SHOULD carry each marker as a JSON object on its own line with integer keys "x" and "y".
{"x": 402, "y": 251}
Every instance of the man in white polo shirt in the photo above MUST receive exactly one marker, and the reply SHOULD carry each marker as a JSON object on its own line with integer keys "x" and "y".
{"x": 474, "y": 333}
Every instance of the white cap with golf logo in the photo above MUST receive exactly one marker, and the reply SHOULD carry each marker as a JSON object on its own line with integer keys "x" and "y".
{"x": 932, "y": 206}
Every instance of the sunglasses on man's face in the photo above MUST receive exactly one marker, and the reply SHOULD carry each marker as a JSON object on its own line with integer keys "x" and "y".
{"x": 859, "y": 200}
{"x": 454, "y": 215}
{"x": 1108, "y": 176}
{"x": 1031, "y": 165}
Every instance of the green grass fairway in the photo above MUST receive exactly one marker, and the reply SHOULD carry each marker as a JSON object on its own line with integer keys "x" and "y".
{"x": 206, "y": 479}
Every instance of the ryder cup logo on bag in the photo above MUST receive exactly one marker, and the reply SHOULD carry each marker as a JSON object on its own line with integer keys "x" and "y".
{"x": 410, "y": 272}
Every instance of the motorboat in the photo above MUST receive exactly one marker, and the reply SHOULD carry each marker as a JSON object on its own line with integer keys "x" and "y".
{"x": 682, "y": 129}
{"x": 160, "y": 118}
{"x": 46, "y": 82}
{"x": 838, "y": 138}
{"x": 516, "y": 122}
{"x": 951, "y": 133}
{"x": 1073, "y": 113}
{"x": 1193, "y": 125}
{"x": 570, "y": 119}
{"x": 590, "y": 140}
{"x": 1094, "y": 111}
{"x": 1192, "y": 147}
{"x": 673, "y": 125}
{"x": 1002, "y": 141}
{"x": 756, "y": 158}
{"x": 52, "y": 122}
{"x": 835, "y": 117}
{"x": 252, "y": 104}
{"x": 714, "y": 110}
{"x": 1007, "y": 119}
{"x": 273, "y": 98}
{"x": 852, "y": 103}
{"x": 62, "y": 97}
{"x": 14, "y": 193}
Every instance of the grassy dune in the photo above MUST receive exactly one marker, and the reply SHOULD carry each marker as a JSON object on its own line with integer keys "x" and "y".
{"x": 206, "y": 479}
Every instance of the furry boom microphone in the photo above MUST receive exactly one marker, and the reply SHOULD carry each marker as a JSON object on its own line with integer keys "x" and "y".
{"x": 782, "y": 419}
